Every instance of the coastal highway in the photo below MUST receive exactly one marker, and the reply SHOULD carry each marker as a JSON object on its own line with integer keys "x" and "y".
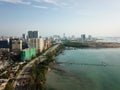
{"x": 51, "y": 49}
{"x": 24, "y": 73}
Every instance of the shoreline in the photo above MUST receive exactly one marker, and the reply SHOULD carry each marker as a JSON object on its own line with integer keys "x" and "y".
{"x": 59, "y": 79}
{"x": 93, "y": 44}
{"x": 55, "y": 73}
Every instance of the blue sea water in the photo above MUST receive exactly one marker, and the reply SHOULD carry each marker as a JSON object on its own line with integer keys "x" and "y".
{"x": 88, "y": 69}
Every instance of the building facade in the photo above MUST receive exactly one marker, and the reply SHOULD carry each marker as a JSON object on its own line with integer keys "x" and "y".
{"x": 28, "y": 54}
{"x": 47, "y": 44}
{"x": 37, "y": 43}
{"x": 23, "y": 36}
{"x": 32, "y": 34}
{"x": 83, "y": 37}
{"x": 16, "y": 45}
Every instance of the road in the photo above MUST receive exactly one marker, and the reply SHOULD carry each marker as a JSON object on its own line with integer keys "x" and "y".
{"x": 51, "y": 49}
{"x": 24, "y": 74}
{"x": 22, "y": 77}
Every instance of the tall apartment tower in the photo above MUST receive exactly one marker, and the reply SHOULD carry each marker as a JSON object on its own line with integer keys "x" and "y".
{"x": 37, "y": 43}
{"x": 32, "y": 34}
{"x": 83, "y": 37}
{"x": 23, "y": 36}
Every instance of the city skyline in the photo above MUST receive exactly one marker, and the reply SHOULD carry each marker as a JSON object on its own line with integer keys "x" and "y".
{"x": 55, "y": 17}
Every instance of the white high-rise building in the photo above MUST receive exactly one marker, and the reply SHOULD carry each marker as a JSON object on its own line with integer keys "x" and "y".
{"x": 37, "y": 43}
{"x": 41, "y": 44}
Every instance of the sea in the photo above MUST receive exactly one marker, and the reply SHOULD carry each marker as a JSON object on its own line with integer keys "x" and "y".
{"x": 86, "y": 69}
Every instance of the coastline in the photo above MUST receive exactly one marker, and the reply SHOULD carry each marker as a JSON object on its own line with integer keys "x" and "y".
{"x": 70, "y": 76}
{"x": 59, "y": 79}
{"x": 53, "y": 78}
{"x": 57, "y": 76}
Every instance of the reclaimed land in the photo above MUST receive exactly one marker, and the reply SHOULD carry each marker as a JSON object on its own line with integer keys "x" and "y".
{"x": 93, "y": 44}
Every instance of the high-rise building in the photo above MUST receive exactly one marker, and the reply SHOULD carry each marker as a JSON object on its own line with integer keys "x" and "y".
{"x": 17, "y": 44}
{"x": 89, "y": 37}
{"x": 47, "y": 44}
{"x": 32, "y": 34}
{"x": 83, "y": 38}
{"x": 4, "y": 44}
{"x": 23, "y": 36}
{"x": 37, "y": 43}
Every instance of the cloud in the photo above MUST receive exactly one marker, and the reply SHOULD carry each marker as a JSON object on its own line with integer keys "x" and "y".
{"x": 54, "y": 2}
{"x": 57, "y": 3}
{"x": 64, "y": 4}
{"x": 41, "y": 7}
{"x": 48, "y": 1}
{"x": 16, "y": 1}
{"x": 60, "y": 3}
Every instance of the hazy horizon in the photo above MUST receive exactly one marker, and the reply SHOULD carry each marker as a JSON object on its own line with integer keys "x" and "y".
{"x": 55, "y": 17}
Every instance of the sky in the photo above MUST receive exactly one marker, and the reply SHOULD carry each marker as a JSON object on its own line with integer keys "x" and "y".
{"x": 55, "y": 17}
